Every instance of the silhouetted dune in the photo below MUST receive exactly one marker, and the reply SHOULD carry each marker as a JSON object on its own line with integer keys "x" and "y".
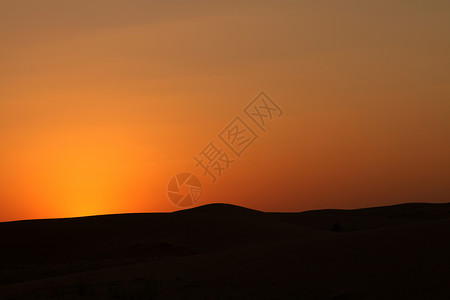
{"x": 222, "y": 251}
{"x": 206, "y": 228}
{"x": 220, "y": 208}
{"x": 367, "y": 218}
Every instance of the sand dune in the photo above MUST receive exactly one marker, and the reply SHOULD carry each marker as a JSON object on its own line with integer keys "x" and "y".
{"x": 221, "y": 251}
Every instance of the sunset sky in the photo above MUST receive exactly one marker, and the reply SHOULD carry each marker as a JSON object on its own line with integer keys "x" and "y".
{"x": 103, "y": 101}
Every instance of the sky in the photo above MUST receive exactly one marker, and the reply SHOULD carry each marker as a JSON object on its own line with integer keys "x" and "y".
{"x": 102, "y": 102}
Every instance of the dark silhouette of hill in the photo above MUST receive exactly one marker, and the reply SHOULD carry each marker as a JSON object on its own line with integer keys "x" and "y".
{"x": 367, "y": 218}
{"x": 221, "y": 209}
{"x": 222, "y": 251}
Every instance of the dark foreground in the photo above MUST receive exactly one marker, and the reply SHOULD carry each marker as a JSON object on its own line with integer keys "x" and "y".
{"x": 227, "y": 252}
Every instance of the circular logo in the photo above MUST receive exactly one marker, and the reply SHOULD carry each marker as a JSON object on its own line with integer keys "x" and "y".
{"x": 184, "y": 190}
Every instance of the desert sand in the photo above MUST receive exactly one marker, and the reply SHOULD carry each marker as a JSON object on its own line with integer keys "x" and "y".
{"x": 222, "y": 251}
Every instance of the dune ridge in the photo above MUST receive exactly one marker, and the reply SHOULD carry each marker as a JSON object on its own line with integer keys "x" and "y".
{"x": 226, "y": 251}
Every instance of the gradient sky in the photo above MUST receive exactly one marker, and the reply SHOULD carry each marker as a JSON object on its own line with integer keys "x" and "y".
{"x": 103, "y": 101}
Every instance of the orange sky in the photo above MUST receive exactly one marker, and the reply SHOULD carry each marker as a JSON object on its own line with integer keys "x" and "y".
{"x": 102, "y": 102}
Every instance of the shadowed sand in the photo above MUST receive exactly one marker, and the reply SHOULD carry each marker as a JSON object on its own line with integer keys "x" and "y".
{"x": 222, "y": 251}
